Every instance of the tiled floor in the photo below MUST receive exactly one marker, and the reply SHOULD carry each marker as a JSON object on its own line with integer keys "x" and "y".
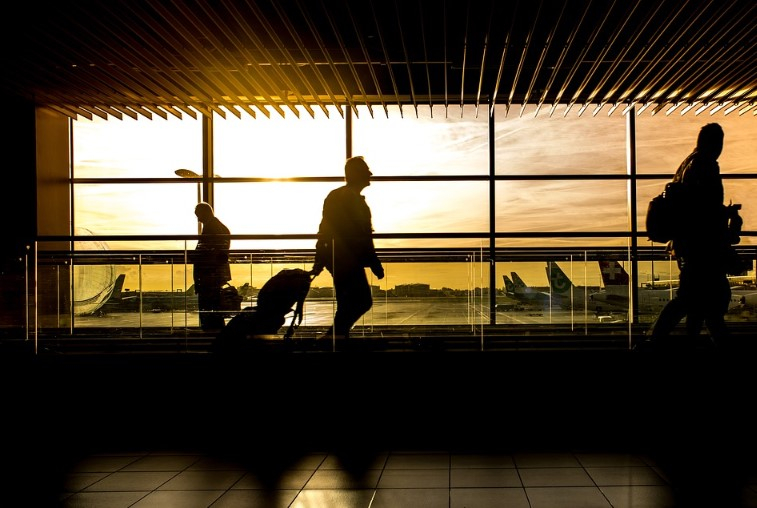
{"x": 536, "y": 430}
{"x": 382, "y": 480}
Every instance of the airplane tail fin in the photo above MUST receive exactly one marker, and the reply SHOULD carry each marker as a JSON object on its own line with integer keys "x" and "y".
{"x": 509, "y": 286}
{"x": 558, "y": 281}
{"x": 518, "y": 283}
{"x": 613, "y": 273}
{"x": 118, "y": 286}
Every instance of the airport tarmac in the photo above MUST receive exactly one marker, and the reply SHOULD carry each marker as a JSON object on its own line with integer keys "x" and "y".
{"x": 385, "y": 312}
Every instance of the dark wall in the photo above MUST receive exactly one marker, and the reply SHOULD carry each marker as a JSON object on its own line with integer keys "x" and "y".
{"x": 18, "y": 210}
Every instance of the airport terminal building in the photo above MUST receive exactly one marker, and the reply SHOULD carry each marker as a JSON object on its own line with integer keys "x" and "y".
{"x": 514, "y": 149}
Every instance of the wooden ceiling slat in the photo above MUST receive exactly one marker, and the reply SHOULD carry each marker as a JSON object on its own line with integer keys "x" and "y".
{"x": 685, "y": 82}
{"x": 579, "y": 61}
{"x": 366, "y": 56}
{"x": 154, "y": 89}
{"x": 217, "y": 70}
{"x": 631, "y": 47}
{"x": 247, "y": 89}
{"x": 347, "y": 59}
{"x": 268, "y": 58}
{"x": 503, "y": 57}
{"x": 290, "y": 60}
{"x": 122, "y": 58}
{"x": 408, "y": 61}
{"x": 542, "y": 56}
{"x": 212, "y": 85}
{"x": 387, "y": 61}
{"x": 567, "y": 46}
{"x": 309, "y": 59}
{"x": 522, "y": 61}
{"x": 175, "y": 85}
{"x": 601, "y": 58}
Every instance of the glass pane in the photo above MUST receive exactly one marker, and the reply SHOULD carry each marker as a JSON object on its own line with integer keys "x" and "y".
{"x": 431, "y": 143}
{"x": 543, "y": 144}
{"x": 663, "y": 141}
{"x": 561, "y": 206}
{"x": 140, "y": 148}
{"x": 136, "y": 209}
{"x": 279, "y": 147}
{"x": 397, "y": 207}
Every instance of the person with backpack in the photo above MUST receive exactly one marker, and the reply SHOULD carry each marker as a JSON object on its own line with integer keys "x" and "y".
{"x": 211, "y": 267}
{"x": 345, "y": 247}
{"x": 701, "y": 245}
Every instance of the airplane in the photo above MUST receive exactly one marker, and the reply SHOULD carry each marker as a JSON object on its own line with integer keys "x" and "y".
{"x": 565, "y": 294}
{"x": 614, "y": 296}
{"x": 518, "y": 298}
{"x": 526, "y": 294}
{"x": 149, "y": 301}
{"x": 92, "y": 306}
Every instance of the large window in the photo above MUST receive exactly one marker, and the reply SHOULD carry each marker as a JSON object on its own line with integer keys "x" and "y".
{"x": 449, "y": 191}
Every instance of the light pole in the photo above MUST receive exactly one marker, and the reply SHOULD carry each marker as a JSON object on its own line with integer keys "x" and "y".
{"x": 188, "y": 173}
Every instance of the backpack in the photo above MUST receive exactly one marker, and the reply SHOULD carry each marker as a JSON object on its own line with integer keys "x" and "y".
{"x": 665, "y": 213}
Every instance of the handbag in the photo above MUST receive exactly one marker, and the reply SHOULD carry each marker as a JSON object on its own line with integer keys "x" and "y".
{"x": 231, "y": 300}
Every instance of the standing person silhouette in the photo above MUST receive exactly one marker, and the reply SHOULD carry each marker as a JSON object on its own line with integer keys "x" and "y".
{"x": 701, "y": 246}
{"x": 211, "y": 267}
{"x": 345, "y": 247}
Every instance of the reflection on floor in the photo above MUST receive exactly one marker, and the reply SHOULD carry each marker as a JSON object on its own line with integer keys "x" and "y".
{"x": 403, "y": 479}
{"x": 466, "y": 429}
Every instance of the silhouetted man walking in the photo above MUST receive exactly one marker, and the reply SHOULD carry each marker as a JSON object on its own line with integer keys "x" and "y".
{"x": 345, "y": 247}
{"x": 701, "y": 245}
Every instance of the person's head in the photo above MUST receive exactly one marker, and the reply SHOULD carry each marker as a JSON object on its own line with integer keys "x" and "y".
{"x": 710, "y": 140}
{"x": 204, "y": 211}
{"x": 356, "y": 172}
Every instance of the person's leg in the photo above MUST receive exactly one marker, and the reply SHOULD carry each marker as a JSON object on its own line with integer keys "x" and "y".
{"x": 208, "y": 303}
{"x": 672, "y": 314}
{"x": 719, "y": 296}
{"x": 353, "y": 299}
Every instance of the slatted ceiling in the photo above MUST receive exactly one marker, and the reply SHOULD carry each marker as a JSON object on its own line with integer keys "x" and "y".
{"x": 249, "y": 57}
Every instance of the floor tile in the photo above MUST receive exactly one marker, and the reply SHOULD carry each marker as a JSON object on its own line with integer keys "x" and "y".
{"x": 566, "y": 497}
{"x": 414, "y": 478}
{"x": 106, "y": 463}
{"x": 523, "y": 460}
{"x": 632, "y": 475}
{"x": 335, "y": 498}
{"x": 103, "y": 499}
{"x": 481, "y": 461}
{"x": 555, "y": 477}
{"x": 610, "y": 459}
{"x": 411, "y": 498}
{"x": 203, "y": 480}
{"x": 161, "y": 463}
{"x": 337, "y": 479}
{"x": 256, "y": 499}
{"x": 75, "y": 482}
{"x": 643, "y": 496}
{"x": 180, "y": 498}
{"x": 488, "y": 498}
{"x": 418, "y": 461}
{"x": 132, "y": 481}
{"x": 460, "y": 478}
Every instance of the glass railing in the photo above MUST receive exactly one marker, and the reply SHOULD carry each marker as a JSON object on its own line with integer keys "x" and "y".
{"x": 141, "y": 296}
